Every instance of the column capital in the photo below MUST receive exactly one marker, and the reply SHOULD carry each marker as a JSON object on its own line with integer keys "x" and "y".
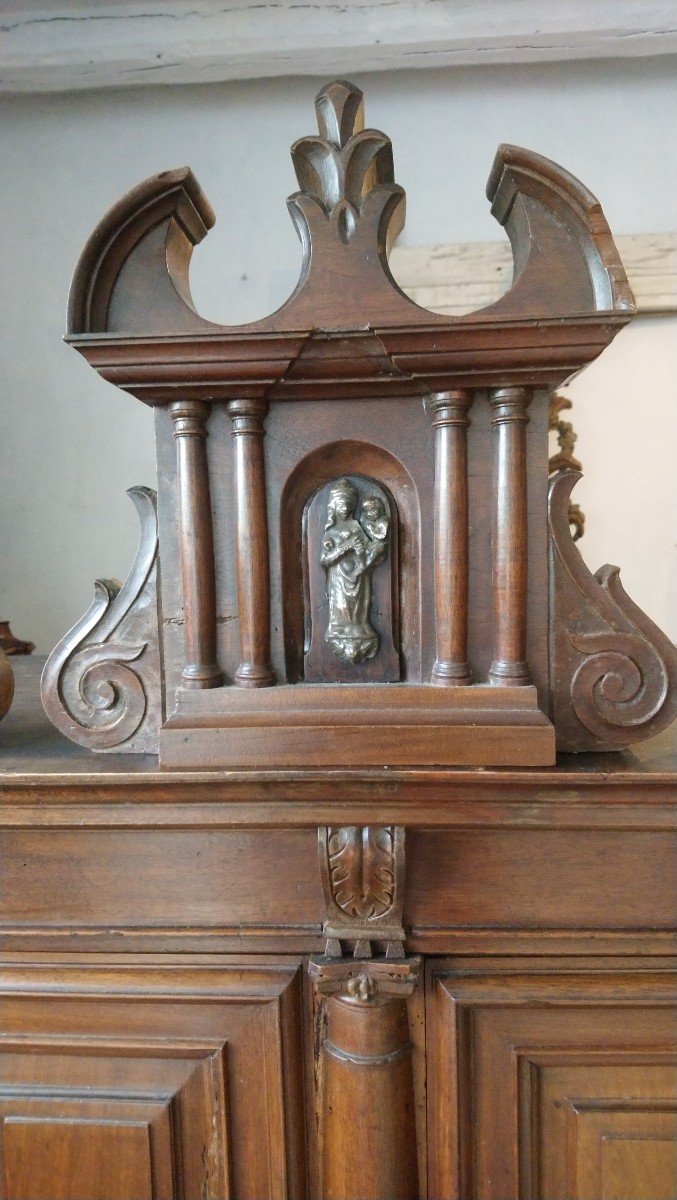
{"x": 509, "y": 404}
{"x": 449, "y": 408}
{"x": 248, "y": 415}
{"x": 189, "y": 417}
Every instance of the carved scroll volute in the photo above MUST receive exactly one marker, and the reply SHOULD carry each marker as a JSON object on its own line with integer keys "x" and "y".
{"x": 362, "y": 870}
{"x": 101, "y": 684}
{"x": 613, "y": 672}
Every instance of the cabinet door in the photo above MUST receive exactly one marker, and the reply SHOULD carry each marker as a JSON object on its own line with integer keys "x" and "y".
{"x": 148, "y": 1079}
{"x": 552, "y": 1080}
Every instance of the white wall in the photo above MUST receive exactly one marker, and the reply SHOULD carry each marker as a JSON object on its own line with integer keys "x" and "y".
{"x": 72, "y": 444}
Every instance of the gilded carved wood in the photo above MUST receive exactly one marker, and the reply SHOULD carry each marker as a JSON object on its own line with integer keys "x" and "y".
{"x": 565, "y": 459}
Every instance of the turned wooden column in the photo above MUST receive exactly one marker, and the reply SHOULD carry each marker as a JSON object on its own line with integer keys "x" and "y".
{"x": 196, "y": 545}
{"x": 368, "y": 1131}
{"x": 509, "y": 417}
{"x": 449, "y": 411}
{"x": 253, "y": 571}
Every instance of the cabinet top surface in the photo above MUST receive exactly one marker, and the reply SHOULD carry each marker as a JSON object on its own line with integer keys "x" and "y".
{"x": 33, "y": 753}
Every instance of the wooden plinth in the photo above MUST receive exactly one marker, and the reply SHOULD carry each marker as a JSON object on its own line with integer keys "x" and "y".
{"x": 379, "y": 725}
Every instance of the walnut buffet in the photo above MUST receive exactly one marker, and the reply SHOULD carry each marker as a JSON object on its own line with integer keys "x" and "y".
{"x": 178, "y": 1020}
{"x": 300, "y": 898}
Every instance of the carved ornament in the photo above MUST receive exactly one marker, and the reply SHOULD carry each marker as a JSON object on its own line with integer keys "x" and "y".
{"x": 347, "y": 168}
{"x": 364, "y": 982}
{"x": 348, "y": 212}
{"x": 362, "y": 870}
{"x": 565, "y": 458}
{"x": 613, "y": 672}
{"x": 101, "y": 683}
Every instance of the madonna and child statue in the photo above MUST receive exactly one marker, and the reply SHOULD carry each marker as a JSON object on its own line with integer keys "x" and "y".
{"x": 351, "y": 548}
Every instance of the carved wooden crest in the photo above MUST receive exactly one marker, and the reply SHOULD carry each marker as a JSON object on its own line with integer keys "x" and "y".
{"x": 301, "y": 627}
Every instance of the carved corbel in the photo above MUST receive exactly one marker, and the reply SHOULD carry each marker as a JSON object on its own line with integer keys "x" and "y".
{"x": 101, "y": 684}
{"x": 362, "y": 870}
{"x": 613, "y": 673}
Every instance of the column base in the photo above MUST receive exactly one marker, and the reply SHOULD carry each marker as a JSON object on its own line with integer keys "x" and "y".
{"x": 509, "y": 674}
{"x": 451, "y": 674}
{"x": 253, "y": 675}
{"x": 197, "y": 675}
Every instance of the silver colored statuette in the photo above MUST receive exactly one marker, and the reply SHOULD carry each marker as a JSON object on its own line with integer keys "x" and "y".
{"x": 351, "y": 549}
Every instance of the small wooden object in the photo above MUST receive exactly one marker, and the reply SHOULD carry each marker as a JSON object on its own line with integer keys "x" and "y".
{"x": 352, "y": 505}
{"x": 6, "y": 684}
{"x": 10, "y": 644}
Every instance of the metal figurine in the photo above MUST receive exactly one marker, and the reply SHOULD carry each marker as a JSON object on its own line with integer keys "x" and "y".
{"x": 351, "y": 549}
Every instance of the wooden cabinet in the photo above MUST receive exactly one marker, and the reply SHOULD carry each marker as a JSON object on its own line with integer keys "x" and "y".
{"x": 173, "y": 1026}
{"x": 143, "y": 1078}
{"x": 359, "y": 938}
{"x": 552, "y": 1079}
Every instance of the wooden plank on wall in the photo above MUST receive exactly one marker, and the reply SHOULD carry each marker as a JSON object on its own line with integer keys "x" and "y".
{"x": 460, "y": 278}
{"x": 61, "y": 45}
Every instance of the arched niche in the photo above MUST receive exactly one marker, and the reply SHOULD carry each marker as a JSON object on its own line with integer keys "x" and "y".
{"x": 360, "y": 460}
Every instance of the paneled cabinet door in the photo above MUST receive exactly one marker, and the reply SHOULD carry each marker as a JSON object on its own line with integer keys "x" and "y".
{"x": 552, "y": 1080}
{"x": 149, "y": 1078}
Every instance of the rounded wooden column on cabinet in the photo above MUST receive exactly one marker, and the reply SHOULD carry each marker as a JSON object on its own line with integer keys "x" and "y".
{"x": 368, "y": 1125}
{"x": 196, "y": 544}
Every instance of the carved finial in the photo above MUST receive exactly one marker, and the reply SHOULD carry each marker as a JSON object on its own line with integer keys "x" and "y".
{"x": 340, "y": 112}
{"x": 344, "y": 164}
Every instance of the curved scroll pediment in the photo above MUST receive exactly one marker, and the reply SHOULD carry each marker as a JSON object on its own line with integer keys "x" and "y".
{"x": 132, "y": 276}
{"x": 131, "y": 290}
